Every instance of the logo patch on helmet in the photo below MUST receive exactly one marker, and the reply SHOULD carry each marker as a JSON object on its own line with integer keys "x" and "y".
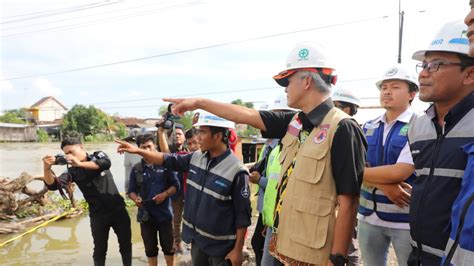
{"x": 303, "y": 54}
{"x": 391, "y": 72}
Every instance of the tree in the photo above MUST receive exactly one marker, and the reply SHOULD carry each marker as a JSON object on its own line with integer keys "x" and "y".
{"x": 11, "y": 118}
{"x": 242, "y": 103}
{"x": 89, "y": 121}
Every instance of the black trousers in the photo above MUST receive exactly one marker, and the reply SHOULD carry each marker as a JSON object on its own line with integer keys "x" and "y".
{"x": 119, "y": 221}
{"x": 258, "y": 240}
{"x": 200, "y": 258}
{"x": 150, "y": 231}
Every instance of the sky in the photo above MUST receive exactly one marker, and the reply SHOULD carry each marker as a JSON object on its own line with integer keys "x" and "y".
{"x": 123, "y": 56}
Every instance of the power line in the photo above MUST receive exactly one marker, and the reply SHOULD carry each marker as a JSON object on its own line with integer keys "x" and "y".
{"x": 80, "y": 17}
{"x": 60, "y": 12}
{"x": 197, "y": 49}
{"x": 98, "y": 21}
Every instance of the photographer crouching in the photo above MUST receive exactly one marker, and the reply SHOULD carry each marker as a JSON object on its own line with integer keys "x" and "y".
{"x": 106, "y": 207}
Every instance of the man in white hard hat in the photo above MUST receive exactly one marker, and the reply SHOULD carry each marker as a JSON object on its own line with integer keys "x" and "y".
{"x": 345, "y": 100}
{"x": 217, "y": 206}
{"x": 383, "y": 207}
{"x": 323, "y": 157}
{"x": 446, "y": 78}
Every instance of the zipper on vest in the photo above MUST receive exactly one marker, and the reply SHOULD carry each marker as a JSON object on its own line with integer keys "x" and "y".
{"x": 439, "y": 139}
{"x": 198, "y": 200}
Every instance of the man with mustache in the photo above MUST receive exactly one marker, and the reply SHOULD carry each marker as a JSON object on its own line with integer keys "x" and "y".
{"x": 446, "y": 77}
{"x": 384, "y": 201}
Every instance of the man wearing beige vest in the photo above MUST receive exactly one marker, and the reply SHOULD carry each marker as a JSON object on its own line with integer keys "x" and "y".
{"x": 323, "y": 157}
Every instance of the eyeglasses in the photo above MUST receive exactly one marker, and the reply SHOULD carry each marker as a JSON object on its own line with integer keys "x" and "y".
{"x": 434, "y": 66}
{"x": 340, "y": 106}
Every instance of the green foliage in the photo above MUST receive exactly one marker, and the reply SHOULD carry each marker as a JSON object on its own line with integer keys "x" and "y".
{"x": 11, "y": 118}
{"x": 242, "y": 103}
{"x": 249, "y": 132}
{"x": 92, "y": 123}
{"x": 42, "y": 135}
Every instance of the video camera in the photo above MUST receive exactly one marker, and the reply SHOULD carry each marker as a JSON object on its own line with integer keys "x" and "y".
{"x": 169, "y": 119}
{"x": 60, "y": 159}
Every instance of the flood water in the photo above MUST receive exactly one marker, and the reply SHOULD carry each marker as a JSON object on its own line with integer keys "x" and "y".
{"x": 68, "y": 241}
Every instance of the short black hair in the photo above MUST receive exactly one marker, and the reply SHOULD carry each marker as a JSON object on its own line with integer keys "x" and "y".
{"x": 467, "y": 61}
{"x": 352, "y": 107}
{"x": 225, "y": 133}
{"x": 191, "y": 133}
{"x": 70, "y": 141}
{"x": 145, "y": 138}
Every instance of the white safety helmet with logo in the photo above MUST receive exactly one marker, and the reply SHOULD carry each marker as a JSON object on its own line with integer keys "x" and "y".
{"x": 400, "y": 73}
{"x": 451, "y": 38}
{"x": 211, "y": 120}
{"x": 309, "y": 57}
{"x": 345, "y": 95}
{"x": 281, "y": 103}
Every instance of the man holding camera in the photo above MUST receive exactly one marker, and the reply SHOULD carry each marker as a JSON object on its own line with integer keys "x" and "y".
{"x": 151, "y": 187}
{"x": 106, "y": 207}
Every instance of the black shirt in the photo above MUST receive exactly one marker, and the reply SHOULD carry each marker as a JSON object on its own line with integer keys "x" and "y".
{"x": 349, "y": 146}
{"x": 97, "y": 186}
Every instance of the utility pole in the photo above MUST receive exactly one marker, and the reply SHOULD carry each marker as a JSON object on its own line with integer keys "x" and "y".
{"x": 400, "y": 30}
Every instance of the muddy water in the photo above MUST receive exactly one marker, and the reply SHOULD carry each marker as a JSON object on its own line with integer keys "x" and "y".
{"x": 69, "y": 241}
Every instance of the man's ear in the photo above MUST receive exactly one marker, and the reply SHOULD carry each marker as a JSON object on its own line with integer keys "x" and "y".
{"x": 307, "y": 82}
{"x": 469, "y": 78}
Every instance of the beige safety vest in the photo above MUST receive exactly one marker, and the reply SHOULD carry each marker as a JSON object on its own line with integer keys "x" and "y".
{"x": 308, "y": 214}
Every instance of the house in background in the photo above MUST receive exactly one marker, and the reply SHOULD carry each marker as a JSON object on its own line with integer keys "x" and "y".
{"x": 48, "y": 109}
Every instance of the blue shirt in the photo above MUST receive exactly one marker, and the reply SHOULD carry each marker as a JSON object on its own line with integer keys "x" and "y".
{"x": 156, "y": 180}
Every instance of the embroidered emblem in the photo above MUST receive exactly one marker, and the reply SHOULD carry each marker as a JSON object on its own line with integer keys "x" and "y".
{"x": 245, "y": 192}
{"x": 321, "y": 136}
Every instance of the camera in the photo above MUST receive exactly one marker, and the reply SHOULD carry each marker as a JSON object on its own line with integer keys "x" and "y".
{"x": 60, "y": 159}
{"x": 169, "y": 119}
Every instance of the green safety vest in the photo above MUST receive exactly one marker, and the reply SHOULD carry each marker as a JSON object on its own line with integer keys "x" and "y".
{"x": 269, "y": 198}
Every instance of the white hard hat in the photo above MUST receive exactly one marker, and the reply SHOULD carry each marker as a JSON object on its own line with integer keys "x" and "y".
{"x": 400, "y": 73}
{"x": 345, "y": 95}
{"x": 451, "y": 38}
{"x": 280, "y": 103}
{"x": 265, "y": 106}
{"x": 307, "y": 56}
{"x": 208, "y": 119}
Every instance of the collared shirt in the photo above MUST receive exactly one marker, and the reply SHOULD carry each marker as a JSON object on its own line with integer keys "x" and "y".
{"x": 405, "y": 154}
{"x": 181, "y": 162}
{"x": 156, "y": 180}
{"x": 348, "y": 150}
{"x": 404, "y": 157}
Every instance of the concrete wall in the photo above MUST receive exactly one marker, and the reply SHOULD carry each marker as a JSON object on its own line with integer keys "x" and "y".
{"x": 21, "y": 134}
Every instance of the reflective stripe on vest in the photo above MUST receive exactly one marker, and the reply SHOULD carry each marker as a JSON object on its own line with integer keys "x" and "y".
{"x": 269, "y": 198}
{"x": 208, "y": 211}
{"x": 431, "y": 250}
{"x": 209, "y": 235}
{"x": 374, "y": 200}
{"x": 460, "y": 247}
{"x": 440, "y": 165}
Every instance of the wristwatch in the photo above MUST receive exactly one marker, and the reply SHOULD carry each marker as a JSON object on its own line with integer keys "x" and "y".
{"x": 338, "y": 259}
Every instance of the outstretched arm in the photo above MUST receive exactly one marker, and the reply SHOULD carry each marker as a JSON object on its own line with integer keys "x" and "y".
{"x": 150, "y": 156}
{"x": 232, "y": 112}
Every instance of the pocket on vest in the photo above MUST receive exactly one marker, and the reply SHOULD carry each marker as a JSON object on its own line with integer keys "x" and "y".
{"x": 310, "y": 166}
{"x": 310, "y": 220}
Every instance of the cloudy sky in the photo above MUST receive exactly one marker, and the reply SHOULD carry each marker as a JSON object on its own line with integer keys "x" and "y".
{"x": 123, "y": 56}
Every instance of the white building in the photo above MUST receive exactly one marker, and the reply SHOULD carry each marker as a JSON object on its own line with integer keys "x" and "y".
{"x": 47, "y": 109}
